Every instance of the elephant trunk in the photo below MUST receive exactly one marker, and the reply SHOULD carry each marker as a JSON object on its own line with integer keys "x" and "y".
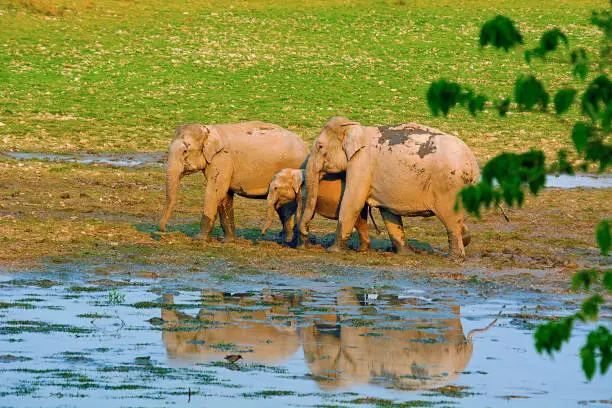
{"x": 313, "y": 176}
{"x": 272, "y": 200}
{"x": 173, "y": 176}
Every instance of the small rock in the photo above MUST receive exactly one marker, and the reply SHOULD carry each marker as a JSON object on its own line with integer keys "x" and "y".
{"x": 65, "y": 195}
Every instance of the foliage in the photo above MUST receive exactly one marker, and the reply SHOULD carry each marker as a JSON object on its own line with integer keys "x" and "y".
{"x": 115, "y": 297}
{"x": 505, "y": 177}
{"x": 500, "y": 33}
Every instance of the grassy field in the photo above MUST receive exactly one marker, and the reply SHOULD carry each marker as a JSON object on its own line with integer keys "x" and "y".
{"x": 114, "y": 75}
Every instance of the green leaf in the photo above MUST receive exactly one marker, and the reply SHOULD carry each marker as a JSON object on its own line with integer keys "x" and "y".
{"x": 584, "y": 278}
{"x": 564, "y": 99}
{"x": 502, "y": 106}
{"x": 562, "y": 166}
{"x": 581, "y": 70}
{"x": 587, "y": 354}
{"x": 442, "y": 95}
{"x": 550, "y": 336}
{"x": 607, "y": 281}
{"x": 590, "y": 307}
{"x": 551, "y": 38}
{"x": 528, "y": 92}
{"x": 581, "y": 135}
{"x": 500, "y": 32}
{"x": 603, "y": 236}
{"x": 476, "y": 103}
{"x": 597, "y": 97}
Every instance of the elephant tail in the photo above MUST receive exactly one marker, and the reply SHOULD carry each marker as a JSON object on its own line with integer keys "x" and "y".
{"x": 372, "y": 218}
{"x": 471, "y": 333}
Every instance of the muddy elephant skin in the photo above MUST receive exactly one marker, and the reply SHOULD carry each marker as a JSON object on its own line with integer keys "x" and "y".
{"x": 405, "y": 170}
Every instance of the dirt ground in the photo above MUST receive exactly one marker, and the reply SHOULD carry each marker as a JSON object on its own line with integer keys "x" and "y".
{"x": 52, "y": 211}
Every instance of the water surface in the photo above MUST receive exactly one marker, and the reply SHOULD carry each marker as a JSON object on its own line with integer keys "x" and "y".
{"x": 71, "y": 336}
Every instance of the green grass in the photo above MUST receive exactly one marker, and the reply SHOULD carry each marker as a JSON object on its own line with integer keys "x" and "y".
{"x": 116, "y": 75}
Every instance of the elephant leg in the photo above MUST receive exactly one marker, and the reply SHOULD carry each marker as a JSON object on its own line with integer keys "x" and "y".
{"x": 303, "y": 239}
{"x": 453, "y": 221}
{"x": 226, "y": 217}
{"x": 395, "y": 228}
{"x": 362, "y": 229}
{"x": 287, "y": 214}
{"x": 217, "y": 190}
{"x": 358, "y": 179}
{"x": 466, "y": 237}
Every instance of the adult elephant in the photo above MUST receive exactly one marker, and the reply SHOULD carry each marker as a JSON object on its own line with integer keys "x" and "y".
{"x": 240, "y": 158}
{"x": 405, "y": 170}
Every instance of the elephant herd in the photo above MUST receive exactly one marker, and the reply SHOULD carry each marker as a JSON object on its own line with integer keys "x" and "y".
{"x": 404, "y": 170}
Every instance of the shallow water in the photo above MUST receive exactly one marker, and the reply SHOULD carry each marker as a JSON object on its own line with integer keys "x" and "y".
{"x": 114, "y": 159}
{"x": 159, "y": 158}
{"x": 70, "y": 336}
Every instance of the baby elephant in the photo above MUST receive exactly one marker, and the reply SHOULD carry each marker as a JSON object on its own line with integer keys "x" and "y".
{"x": 286, "y": 187}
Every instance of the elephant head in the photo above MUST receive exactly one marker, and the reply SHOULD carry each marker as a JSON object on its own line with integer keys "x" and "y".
{"x": 191, "y": 150}
{"x": 286, "y": 186}
{"x": 339, "y": 142}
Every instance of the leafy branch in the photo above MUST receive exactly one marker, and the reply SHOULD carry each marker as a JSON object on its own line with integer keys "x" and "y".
{"x": 508, "y": 175}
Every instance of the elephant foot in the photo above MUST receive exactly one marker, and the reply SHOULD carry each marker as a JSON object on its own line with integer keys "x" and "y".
{"x": 228, "y": 239}
{"x": 334, "y": 248}
{"x": 338, "y": 246}
{"x": 456, "y": 256}
{"x": 303, "y": 242}
{"x": 202, "y": 237}
{"x": 363, "y": 247}
{"x": 406, "y": 249}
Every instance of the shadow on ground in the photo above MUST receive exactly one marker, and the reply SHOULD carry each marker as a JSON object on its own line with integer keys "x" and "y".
{"x": 254, "y": 235}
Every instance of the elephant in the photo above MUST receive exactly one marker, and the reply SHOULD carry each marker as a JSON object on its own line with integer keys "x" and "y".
{"x": 405, "y": 170}
{"x": 340, "y": 353}
{"x": 240, "y": 158}
{"x": 267, "y": 338}
{"x": 287, "y": 187}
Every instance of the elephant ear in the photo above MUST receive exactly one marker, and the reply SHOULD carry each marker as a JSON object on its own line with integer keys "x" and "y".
{"x": 354, "y": 139}
{"x": 212, "y": 145}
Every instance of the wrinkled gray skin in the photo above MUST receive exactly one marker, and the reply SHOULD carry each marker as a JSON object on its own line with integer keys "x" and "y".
{"x": 405, "y": 170}
{"x": 287, "y": 187}
{"x": 239, "y": 158}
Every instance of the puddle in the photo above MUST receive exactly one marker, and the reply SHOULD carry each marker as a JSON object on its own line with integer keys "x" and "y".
{"x": 69, "y": 337}
{"x": 114, "y": 159}
{"x": 583, "y": 180}
{"x": 159, "y": 158}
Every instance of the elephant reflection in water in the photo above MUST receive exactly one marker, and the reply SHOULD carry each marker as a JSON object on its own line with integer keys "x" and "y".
{"x": 340, "y": 355}
{"x": 410, "y": 354}
{"x": 232, "y": 319}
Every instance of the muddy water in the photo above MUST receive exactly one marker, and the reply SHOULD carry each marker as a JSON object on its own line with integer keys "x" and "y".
{"x": 74, "y": 335}
{"x": 159, "y": 158}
